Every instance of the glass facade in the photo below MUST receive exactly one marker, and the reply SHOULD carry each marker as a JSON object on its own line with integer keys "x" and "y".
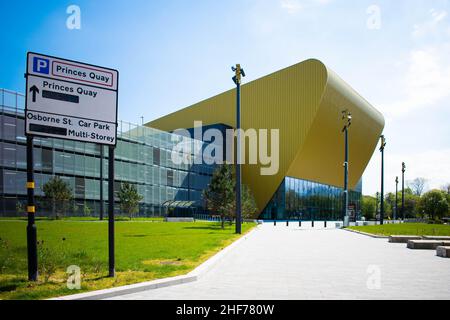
{"x": 307, "y": 200}
{"x": 142, "y": 158}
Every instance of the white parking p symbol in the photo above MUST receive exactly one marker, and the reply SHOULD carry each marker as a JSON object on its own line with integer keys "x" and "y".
{"x": 42, "y": 64}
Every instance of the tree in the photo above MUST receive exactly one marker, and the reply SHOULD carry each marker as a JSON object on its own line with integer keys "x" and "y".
{"x": 418, "y": 186}
{"x": 129, "y": 199}
{"x": 58, "y": 194}
{"x": 368, "y": 207}
{"x": 220, "y": 196}
{"x": 434, "y": 204}
{"x": 411, "y": 203}
{"x": 220, "y": 192}
{"x": 446, "y": 188}
{"x": 389, "y": 205}
{"x": 248, "y": 204}
{"x": 249, "y": 207}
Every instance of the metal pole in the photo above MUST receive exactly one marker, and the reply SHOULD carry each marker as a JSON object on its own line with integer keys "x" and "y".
{"x": 112, "y": 270}
{"x": 346, "y": 179}
{"x": 239, "y": 72}
{"x": 382, "y": 190}
{"x": 396, "y": 200}
{"x": 377, "y": 195}
{"x": 383, "y": 144}
{"x": 403, "y": 190}
{"x": 102, "y": 208}
{"x": 31, "y": 210}
{"x": 238, "y": 164}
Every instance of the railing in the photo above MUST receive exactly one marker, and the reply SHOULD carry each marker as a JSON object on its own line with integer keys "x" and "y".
{"x": 206, "y": 217}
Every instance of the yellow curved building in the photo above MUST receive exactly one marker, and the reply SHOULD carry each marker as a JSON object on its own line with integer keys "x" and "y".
{"x": 305, "y": 102}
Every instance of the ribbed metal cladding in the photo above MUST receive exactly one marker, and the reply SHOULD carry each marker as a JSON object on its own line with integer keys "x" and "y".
{"x": 304, "y": 102}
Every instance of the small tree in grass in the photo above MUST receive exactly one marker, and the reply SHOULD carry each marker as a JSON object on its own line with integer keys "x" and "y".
{"x": 220, "y": 196}
{"x": 248, "y": 204}
{"x": 58, "y": 194}
{"x": 220, "y": 192}
{"x": 129, "y": 199}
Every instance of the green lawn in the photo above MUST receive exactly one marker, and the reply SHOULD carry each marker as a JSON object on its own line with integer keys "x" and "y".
{"x": 117, "y": 218}
{"x": 420, "y": 229}
{"x": 144, "y": 251}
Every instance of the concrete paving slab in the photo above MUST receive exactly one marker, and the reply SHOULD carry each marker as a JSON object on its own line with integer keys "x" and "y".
{"x": 292, "y": 263}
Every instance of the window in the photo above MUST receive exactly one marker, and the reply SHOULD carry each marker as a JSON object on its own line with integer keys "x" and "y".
{"x": 9, "y": 128}
{"x": 9, "y": 154}
{"x": 170, "y": 178}
{"x": 79, "y": 187}
{"x": 47, "y": 160}
{"x": 156, "y": 156}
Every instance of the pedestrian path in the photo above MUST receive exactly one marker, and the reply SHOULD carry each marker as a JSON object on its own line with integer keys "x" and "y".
{"x": 291, "y": 263}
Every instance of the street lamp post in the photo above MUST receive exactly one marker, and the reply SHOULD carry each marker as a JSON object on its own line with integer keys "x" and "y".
{"x": 396, "y": 198}
{"x": 383, "y": 144}
{"x": 377, "y": 195}
{"x": 347, "y": 117}
{"x": 239, "y": 72}
{"x": 403, "y": 190}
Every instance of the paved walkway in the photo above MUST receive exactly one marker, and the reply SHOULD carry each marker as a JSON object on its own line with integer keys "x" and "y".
{"x": 292, "y": 263}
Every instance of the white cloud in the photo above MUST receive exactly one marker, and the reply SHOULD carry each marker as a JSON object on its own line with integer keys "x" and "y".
{"x": 420, "y": 85}
{"x": 430, "y": 164}
{"x": 294, "y": 6}
{"x": 431, "y": 26}
{"x": 426, "y": 81}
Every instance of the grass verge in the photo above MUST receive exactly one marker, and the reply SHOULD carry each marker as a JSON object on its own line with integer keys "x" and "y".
{"x": 144, "y": 251}
{"x": 413, "y": 229}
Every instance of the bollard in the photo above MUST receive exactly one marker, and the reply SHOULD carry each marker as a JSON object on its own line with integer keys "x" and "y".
{"x": 300, "y": 223}
{"x": 325, "y": 223}
{"x": 287, "y": 223}
{"x": 275, "y": 223}
{"x": 312, "y": 224}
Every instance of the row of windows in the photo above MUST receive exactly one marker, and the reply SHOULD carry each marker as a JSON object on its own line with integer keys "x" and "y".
{"x": 12, "y": 132}
{"x": 308, "y": 200}
{"x": 13, "y": 183}
{"x": 15, "y": 206}
{"x": 149, "y": 167}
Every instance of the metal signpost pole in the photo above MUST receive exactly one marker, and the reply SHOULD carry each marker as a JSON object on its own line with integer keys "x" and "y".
{"x": 112, "y": 268}
{"x": 31, "y": 210}
{"x": 102, "y": 203}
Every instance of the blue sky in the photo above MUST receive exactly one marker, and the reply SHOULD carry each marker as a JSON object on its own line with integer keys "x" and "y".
{"x": 402, "y": 67}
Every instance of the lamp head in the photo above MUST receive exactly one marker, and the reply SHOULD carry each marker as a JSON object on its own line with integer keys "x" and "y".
{"x": 238, "y": 73}
{"x": 383, "y": 142}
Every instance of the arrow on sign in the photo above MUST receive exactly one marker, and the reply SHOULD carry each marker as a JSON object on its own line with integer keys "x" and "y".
{"x": 34, "y": 90}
